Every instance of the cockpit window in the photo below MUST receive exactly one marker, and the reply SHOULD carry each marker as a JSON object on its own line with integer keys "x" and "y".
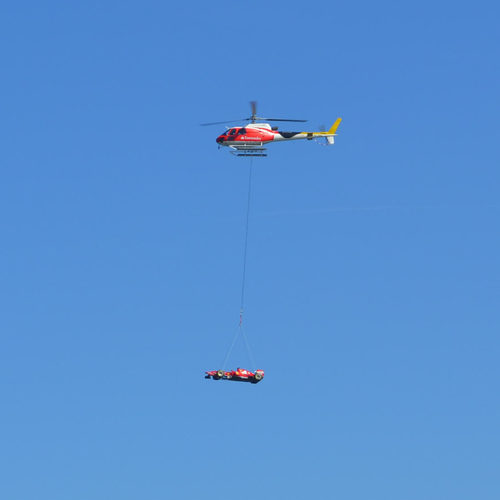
{"x": 243, "y": 131}
{"x": 232, "y": 131}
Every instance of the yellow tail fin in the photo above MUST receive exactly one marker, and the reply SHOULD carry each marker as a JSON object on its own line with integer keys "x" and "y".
{"x": 335, "y": 126}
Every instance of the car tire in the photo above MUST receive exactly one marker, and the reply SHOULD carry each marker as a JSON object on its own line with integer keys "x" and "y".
{"x": 258, "y": 376}
{"x": 220, "y": 373}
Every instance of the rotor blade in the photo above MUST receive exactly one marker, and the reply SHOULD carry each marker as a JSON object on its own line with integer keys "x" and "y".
{"x": 280, "y": 120}
{"x": 253, "y": 104}
{"x": 225, "y": 121}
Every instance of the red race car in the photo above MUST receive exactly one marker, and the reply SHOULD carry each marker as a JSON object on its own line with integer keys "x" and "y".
{"x": 238, "y": 375}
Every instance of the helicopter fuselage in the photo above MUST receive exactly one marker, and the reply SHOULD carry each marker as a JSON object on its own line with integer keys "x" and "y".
{"x": 258, "y": 133}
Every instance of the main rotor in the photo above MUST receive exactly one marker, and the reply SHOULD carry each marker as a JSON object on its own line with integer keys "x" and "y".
{"x": 254, "y": 118}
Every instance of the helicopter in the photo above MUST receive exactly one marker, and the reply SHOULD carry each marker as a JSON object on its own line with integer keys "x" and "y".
{"x": 250, "y": 139}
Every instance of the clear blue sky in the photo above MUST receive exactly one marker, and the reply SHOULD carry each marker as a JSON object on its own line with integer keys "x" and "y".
{"x": 373, "y": 286}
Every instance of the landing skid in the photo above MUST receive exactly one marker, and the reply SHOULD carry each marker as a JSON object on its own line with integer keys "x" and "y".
{"x": 251, "y": 151}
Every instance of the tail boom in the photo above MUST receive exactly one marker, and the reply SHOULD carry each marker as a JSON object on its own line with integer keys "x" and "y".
{"x": 328, "y": 135}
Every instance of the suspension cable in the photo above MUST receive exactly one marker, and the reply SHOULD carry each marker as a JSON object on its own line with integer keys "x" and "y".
{"x": 249, "y": 350}
{"x": 230, "y": 350}
{"x": 242, "y": 302}
{"x": 240, "y": 330}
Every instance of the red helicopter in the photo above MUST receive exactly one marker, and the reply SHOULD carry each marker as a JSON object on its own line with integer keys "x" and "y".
{"x": 249, "y": 140}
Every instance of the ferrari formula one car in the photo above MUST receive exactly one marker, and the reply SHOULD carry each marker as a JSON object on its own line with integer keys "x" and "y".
{"x": 238, "y": 375}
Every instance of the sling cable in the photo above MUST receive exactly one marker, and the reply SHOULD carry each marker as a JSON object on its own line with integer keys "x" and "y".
{"x": 240, "y": 374}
